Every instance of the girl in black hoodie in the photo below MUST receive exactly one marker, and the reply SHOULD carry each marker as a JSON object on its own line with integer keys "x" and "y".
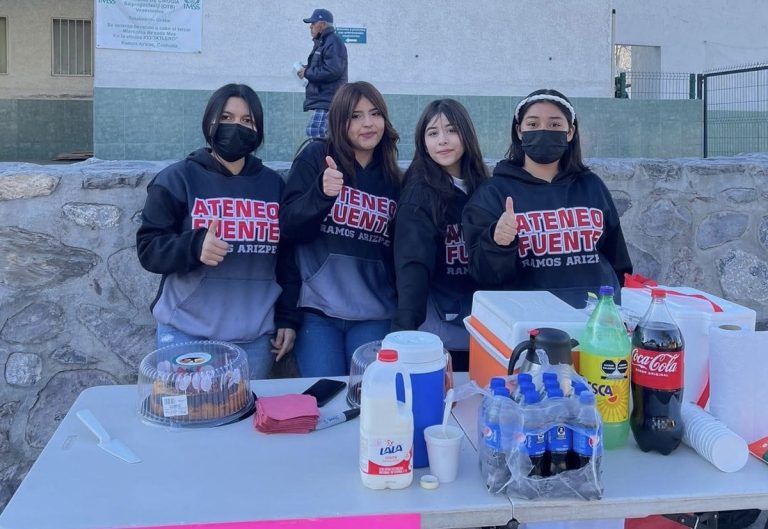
{"x": 337, "y": 208}
{"x": 210, "y": 227}
{"x": 434, "y": 287}
{"x": 544, "y": 221}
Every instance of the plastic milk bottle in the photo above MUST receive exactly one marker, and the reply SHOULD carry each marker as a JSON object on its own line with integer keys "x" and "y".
{"x": 386, "y": 425}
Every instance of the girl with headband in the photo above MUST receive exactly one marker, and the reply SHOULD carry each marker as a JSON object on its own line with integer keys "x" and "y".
{"x": 544, "y": 221}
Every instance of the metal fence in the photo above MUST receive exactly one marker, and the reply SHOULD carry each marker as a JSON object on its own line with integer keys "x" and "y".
{"x": 655, "y": 85}
{"x": 735, "y": 110}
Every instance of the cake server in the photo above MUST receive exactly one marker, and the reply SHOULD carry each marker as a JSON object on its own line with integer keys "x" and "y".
{"x": 112, "y": 446}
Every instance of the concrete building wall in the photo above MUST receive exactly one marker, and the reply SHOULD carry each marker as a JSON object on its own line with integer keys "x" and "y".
{"x": 148, "y": 104}
{"x": 42, "y": 115}
{"x": 491, "y": 47}
{"x": 29, "y": 50}
{"x": 146, "y": 124}
{"x": 696, "y": 35}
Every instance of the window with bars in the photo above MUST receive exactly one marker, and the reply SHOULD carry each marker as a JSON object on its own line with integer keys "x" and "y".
{"x": 72, "y": 47}
{"x": 3, "y": 45}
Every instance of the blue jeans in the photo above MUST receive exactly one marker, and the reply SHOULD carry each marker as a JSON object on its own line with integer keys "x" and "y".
{"x": 259, "y": 352}
{"x": 324, "y": 345}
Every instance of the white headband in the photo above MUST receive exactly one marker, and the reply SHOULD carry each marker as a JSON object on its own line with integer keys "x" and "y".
{"x": 544, "y": 97}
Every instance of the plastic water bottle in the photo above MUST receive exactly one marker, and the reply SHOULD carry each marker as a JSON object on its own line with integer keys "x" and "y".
{"x": 605, "y": 363}
{"x": 586, "y": 438}
{"x": 578, "y": 387}
{"x": 494, "y": 464}
{"x": 535, "y": 439}
{"x": 559, "y": 439}
{"x": 386, "y": 425}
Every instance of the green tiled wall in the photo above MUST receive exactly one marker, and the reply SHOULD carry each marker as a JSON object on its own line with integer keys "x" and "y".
{"x": 38, "y": 130}
{"x": 165, "y": 124}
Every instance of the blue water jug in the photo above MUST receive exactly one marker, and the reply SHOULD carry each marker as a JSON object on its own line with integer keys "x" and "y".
{"x": 423, "y": 354}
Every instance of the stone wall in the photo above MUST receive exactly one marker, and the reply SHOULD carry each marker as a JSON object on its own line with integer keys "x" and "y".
{"x": 74, "y": 300}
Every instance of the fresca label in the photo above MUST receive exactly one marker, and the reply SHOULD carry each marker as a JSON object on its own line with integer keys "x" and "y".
{"x": 609, "y": 379}
{"x": 387, "y": 456}
{"x": 657, "y": 369}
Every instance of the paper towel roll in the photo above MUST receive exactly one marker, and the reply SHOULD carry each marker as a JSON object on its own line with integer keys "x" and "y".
{"x": 738, "y": 366}
{"x": 712, "y": 439}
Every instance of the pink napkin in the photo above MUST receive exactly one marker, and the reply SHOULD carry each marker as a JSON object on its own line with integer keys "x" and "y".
{"x": 286, "y": 414}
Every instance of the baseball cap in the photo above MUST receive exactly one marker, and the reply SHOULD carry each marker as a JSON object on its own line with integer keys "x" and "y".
{"x": 319, "y": 14}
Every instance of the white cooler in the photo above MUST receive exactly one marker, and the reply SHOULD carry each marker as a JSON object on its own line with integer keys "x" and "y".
{"x": 501, "y": 319}
{"x": 694, "y": 316}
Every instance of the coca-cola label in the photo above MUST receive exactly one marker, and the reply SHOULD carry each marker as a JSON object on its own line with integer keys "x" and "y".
{"x": 657, "y": 369}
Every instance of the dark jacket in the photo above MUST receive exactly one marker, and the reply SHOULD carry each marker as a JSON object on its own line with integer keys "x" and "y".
{"x": 569, "y": 236}
{"x": 250, "y": 293}
{"x": 431, "y": 263}
{"x": 343, "y": 243}
{"x": 326, "y": 70}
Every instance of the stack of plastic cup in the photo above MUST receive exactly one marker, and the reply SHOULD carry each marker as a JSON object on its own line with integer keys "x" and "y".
{"x": 712, "y": 439}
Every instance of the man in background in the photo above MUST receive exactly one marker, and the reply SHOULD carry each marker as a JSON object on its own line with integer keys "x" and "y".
{"x": 326, "y": 71}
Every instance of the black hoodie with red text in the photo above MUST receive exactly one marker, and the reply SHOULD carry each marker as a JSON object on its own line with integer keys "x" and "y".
{"x": 569, "y": 237}
{"x": 343, "y": 243}
{"x": 254, "y": 289}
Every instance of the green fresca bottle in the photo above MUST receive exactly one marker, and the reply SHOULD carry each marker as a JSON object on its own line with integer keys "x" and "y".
{"x": 604, "y": 360}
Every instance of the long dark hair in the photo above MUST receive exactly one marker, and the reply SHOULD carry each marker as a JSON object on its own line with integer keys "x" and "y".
{"x": 571, "y": 161}
{"x": 217, "y": 102}
{"x": 424, "y": 171}
{"x": 339, "y": 114}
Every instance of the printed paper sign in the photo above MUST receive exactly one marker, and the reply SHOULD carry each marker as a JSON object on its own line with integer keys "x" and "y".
{"x": 150, "y": 25}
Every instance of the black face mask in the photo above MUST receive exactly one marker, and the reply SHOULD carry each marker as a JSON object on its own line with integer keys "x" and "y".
{"x": 545, "y": 146}
{"x": 233, "y": 141}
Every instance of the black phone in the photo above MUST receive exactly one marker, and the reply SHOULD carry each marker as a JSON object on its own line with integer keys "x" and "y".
{"x": 324, "y": 390}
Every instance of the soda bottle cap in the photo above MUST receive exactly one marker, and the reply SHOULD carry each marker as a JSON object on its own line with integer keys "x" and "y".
{"x": 428, "y": 481}
{"x": 497, "y": 382}
{"x": 504, "y": 392}
{"x": 658, "y": 293}
{"x": 524, "y": 377}
{"x": 549, "y": 376}
{"x": 606, "y": 290}
{"x": 387, "y": 355}
{"x": 587, "y": 398}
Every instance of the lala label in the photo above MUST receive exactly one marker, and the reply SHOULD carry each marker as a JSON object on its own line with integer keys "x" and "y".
{"x": 386, "y": 456}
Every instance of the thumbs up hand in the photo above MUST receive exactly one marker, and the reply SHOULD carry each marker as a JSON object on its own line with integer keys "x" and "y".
{"x": 506, "y": 226}
{"x": 214, "y": 249}
{"x": 333, "y": 180}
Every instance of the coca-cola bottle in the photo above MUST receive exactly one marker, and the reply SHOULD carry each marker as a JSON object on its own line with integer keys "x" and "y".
{"x": 657, "y": 378}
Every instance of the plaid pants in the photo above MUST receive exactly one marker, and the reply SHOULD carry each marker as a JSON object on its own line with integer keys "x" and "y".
{"x": 318, "y": 124}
